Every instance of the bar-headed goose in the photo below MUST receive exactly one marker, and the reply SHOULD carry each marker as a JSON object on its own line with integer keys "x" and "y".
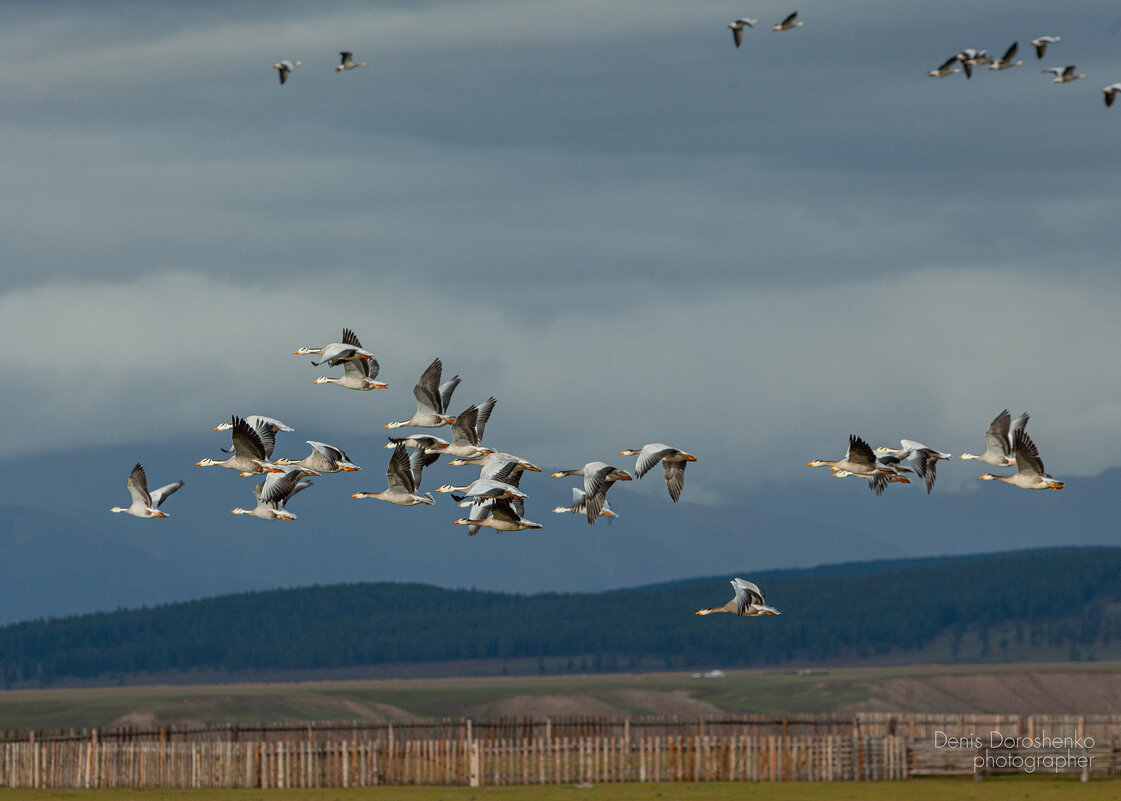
{"x": 284, "y": 67}
{"x": 467, "y": 431}
{"x": 1110, "y": 92}
{"x": 738, "y": 26}
{"x": 403, "y": 474}
{"x": 948, "y": 68}
{"x": 788, "y": 23}
{"x": 1040, "y": 44}
{"x": 432, "y": 399}
{"x": 323, "y": 458}
{"x": 358, "y": 374}
{"x": 749, "y": 601}
{"x": 258, "y": 421}
{"x": 348, "y": 62}
{"x": 1064, "y": 74}
{"x": 499, "y": 515}
{"x": 1029, "y": 468}
{"x": 251, "y": 449}
{"x": 1005, "y": 61}
{"x": 999, "y": 437}
{"x": 598, "y": 478}
{"x": 673, "y": 464}
{"x": 923, "y": 460}
{"x": 580, "y": 507}
{"x": 145, "y": 504}
{"x": 274, "y": 492}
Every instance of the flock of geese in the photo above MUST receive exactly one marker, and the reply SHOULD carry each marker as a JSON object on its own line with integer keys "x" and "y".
{"x": 494, "y": 500}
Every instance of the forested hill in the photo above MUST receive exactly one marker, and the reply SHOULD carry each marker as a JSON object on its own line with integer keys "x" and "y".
{"x": 1031, "y": 605}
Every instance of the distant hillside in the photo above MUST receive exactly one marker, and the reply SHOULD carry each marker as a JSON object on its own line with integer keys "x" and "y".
{"x": 1024, "y": 606}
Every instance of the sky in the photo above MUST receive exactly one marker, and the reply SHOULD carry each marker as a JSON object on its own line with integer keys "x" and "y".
{"x": 603, "y": 214}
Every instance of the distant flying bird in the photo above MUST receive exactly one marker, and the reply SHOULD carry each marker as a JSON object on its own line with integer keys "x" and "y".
{"x": 403, "y": 475}
{"x": 323, "y": 458}
{"x": 1029, "y": 468}
{"x": 598, "y": 478}
{"x": 1041, "y": 43}
{"x": 499, "y": 515}
{"x": 145, "y": 504}
{"x": 336, "y": 353}
{"x": 251, "y": 449}
{"x": 971, "y": 58}
{"x": 859, "y": 460}
{"x": 580, "y": 507}
{"x": 788, "y": 23}
{"x": 673, "y": 464}
{"x": 348, "y": 62}
{"x": 1110, "y": 92}
{"x": 1064, "y": 74}
{"x": 738, "y": 26}
{"x": 285, "y": 67}
{"x": 947, "y": 68}
{"x": 432, "y": 399}
{"x": 923, "y": 460}
{"x": 999, "y": 438}
{"x": 749, "y": 601}
{"x": 1005, "y": 61}
{"x": 274, "y": 492}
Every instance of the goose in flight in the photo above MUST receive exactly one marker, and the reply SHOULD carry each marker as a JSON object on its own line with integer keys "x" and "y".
{"x": 1029, "y": 467}
{"x": 496, "y": 459}
{"x": 348, "y": 62}
{"x": 497, "y": 479}
{"x": 258, "y": 421}
{"x": 403, "y": 474}
{"x": 1041, "y": 43}
{"x": 598, "y": 478}
{"x": 1110, "y": 92}
{"x": 580, "y": 507}
{"x": 497, "y": 514}
{"x": 335, "y": 353}
{"x": 749, "y": 601}
{"x": 284, "y": 67}
{"x": 947, "y": 68}
{"x": 467, "y": 431}
{"x": 788, "y": 23}
{"x": 1005, "y": 61}
{"x": 999, "y": 438}
{"x": 738, "y": 26}
{"x": 144, "y": 503}
{"x": 1064, "y": 74}
{"x": 357, "y": 374}
{"x": 432, "y": 399}
{"x": 923, "y": 460}
{"x": 323, "y": 458}
{"x": 274, "y": 492}
{"x": 673, "y": 464}
{"x": 251, "y": 450}
{"x": 424, "y": 442}
{"x": 970, "y": 58}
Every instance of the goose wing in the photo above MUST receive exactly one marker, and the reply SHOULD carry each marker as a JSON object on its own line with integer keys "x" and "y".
{"x": 860, "y": 452}
{"x": 400, "y": 471}
{"x": 675, "y": 478}
{"x": 485, "y": 408}
{"x": 650, "y": 455}
{"x": 789, "y": 19}
{"x": 463, "y": 429}
{"x": 446, "y": 390}
{"x": 138, "y": 487}
{"x": 747, "y": 594}
{"x": 1027, "y": 455}
{"x": 595, "y": 488}
{"x": 427, "y": 389}
{"x": 347, "y": 57}
{"x": 1010, "y": 53}
{"x": 996, "y": 435}
{"x": 249, "y": 442}
{"x": 160, "y": 495}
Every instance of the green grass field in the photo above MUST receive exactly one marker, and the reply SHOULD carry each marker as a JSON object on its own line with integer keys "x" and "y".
{"x": 1020, "y": 788}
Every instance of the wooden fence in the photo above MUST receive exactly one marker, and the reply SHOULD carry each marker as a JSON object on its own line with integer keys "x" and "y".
{"x": 545, "y": 753}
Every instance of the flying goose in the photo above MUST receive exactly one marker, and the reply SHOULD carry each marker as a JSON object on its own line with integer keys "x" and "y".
{"x": 999, "y": 438}
{"x": 496, "y": 459}
{"x": 1110, "y": 92}
{"x": 923, "y": 460}
{"x": 432, "y": 399}
{"x": 598, "y": 478}
{"x": 1041, "y": 43}
{"x": 403, "y": 474}
{"x": 251, "y": 449}
{"x": 498, "y": 479}
{"x": 970, "y": 58}
{"x": 144, "y": 503}
{"x": 749, "y": 601}
{"x": 580, "y": 507}
{"x": 1064, "y": 74}
{"x": 1029, "y": 467}
{"x": 323, "y": 458}
{"x": 335, "y": 353}
{"x": 258, "y": 421}
{"x": 284, "y": 67}
{"x": 947, "y": 68}
{"x": 348, "y": 62}
{"x": 788, "y": 23}
{"x": 358, "y": 374}
{"x": 1005, "y": 61}
{"x": 274, "y": 492}
{"x": 424, "y": 442}
{"x": 467, "y": 431}
{"x": 673, "y": 464}
{"x": 738, "y": 26}
{"x": 497, "y": 514}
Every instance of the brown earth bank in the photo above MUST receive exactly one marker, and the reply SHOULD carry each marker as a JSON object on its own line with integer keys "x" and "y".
{"x": 1062, "y": 688}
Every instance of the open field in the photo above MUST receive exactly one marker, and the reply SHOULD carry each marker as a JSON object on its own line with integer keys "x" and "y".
{"x": 1074, "y": 688}
{"x": 1021, "y": 788}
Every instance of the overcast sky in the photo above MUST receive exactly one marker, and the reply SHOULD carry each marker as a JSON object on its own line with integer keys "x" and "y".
{"x": 604, "y": 214}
